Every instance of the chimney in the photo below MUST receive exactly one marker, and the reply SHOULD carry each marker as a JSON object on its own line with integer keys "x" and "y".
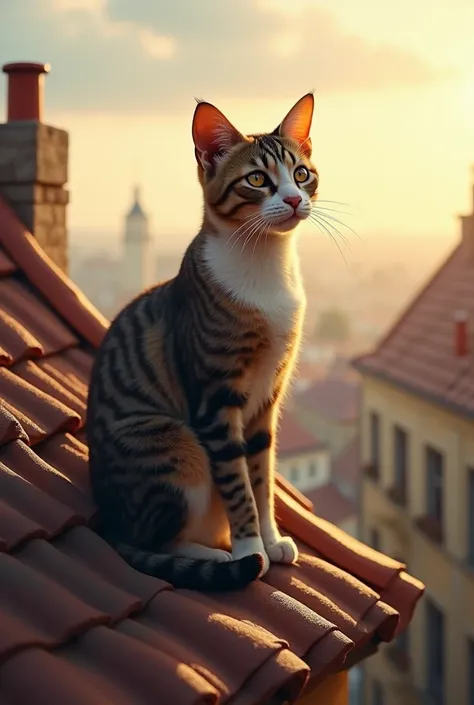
{"x": 467, "y": 229}
{"x": 461, "y": 334}
{"x": 34, "y": 161}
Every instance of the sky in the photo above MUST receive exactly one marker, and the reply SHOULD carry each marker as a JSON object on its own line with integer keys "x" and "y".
{"x": 393, "y": 128}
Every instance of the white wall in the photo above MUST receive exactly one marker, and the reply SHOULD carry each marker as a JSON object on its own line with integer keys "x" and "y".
{"x": 306, "y": 471}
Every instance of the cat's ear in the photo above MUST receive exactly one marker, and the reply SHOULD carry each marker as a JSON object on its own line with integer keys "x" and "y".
{"x": 297, "y": 123}
{"x": 213, "y": 134}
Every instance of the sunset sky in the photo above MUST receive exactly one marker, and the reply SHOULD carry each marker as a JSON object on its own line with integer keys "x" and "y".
{"x": 393, "y": 130}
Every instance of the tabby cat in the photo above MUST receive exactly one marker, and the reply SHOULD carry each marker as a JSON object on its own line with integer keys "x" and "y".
{"x": 185, "y": 392}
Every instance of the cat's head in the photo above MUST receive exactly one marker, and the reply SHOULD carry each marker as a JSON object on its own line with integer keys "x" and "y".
{"x": 265, "y": 180}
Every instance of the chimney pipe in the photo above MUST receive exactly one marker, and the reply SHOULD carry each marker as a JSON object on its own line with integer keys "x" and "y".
{"x": 25, "y": 90}
{"x": 461, "y": 343}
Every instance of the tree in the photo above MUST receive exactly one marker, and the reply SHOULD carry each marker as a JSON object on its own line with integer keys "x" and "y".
{"x": 333, "y": 326}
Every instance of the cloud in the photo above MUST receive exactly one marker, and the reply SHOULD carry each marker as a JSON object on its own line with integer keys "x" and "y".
{"x": 118, "y": 55}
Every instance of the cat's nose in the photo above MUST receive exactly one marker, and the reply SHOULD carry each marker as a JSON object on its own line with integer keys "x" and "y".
{"x": 293, "y": 201}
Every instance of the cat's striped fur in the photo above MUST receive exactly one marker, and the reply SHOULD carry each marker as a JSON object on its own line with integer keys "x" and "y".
{"x": 184, "y": 396}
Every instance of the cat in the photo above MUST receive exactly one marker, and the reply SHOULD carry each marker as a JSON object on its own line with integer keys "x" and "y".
{"x": 186, "y": 386}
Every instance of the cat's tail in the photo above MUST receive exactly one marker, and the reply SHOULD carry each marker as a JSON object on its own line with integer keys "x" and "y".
{"x": 195, "y": 573}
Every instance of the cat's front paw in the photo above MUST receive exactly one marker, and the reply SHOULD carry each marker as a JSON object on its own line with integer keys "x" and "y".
{"x": 248, "y": 547}
{"x": 282, "y": 550}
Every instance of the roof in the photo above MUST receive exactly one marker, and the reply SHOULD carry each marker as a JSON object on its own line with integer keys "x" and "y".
{"x": 330, "y": 504}
{"x": 417, "y": 354}
{"x": 334, "y": 397}
{"x": 77, "y": 624}
{"x": 293, "y": 438}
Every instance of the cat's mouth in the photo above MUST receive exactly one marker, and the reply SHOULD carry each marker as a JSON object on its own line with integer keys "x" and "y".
{"x": 292, "y": 217}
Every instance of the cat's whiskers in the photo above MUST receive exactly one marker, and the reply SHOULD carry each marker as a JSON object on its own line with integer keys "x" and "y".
{"x": 325, "y": 216}
{"x": 265, "y": 230}
{"x": 254, "y": 230}
{"x": 323, "y": 229}
{"x": 250, "y": 221}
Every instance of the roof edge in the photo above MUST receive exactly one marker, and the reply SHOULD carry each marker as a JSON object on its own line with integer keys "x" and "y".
{"x": 434, "y": 399}
{"x": 63, "y": 295}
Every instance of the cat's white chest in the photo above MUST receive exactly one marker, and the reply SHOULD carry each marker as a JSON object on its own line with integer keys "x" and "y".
{"x": 270, "y": 283}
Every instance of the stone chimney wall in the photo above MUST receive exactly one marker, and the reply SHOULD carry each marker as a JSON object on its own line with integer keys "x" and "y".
{"x": 34, "y": 162}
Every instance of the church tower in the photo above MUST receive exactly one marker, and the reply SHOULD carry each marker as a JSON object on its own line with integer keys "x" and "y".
{"x": 137, "y": 252}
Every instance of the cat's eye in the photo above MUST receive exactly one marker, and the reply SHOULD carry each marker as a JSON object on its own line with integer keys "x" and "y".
{"x": 301, "y": 174}
{"x": 256, "y": 178}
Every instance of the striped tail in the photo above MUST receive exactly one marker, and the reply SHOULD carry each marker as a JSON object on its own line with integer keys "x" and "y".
{"x": 195, "y": 573}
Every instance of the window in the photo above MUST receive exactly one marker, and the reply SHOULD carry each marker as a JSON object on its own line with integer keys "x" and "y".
{"x": 378, "y": 695}
{"x": 312, "y": 469}
{"x": 294, "y": 475}
{"x": 375, "y": 539}
{"x": 400, "y": 460}
{"x": 470, "y": 517}
{"x": 434, "y": 653}
{"x": 434, "y": 484}
{"x": 374, "y": 440}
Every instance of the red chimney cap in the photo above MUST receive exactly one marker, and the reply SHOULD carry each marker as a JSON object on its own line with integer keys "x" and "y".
{"x": 26, "y": 67}
{"x": 25, "y": 90}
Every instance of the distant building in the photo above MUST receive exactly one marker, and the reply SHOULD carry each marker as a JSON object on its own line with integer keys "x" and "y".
{"x": 302, "y": 458}
{"x": 337, "y": 501}
{"x": 417, "y": 493}
{"x": 110, "y": 281}
{"x": 305, "y": 461}
{"x": 329, "y": 409}
{"x": 137, "y": 263}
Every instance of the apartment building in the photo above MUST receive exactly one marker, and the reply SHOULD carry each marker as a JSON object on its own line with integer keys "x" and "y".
{"x": 417, "y": 493}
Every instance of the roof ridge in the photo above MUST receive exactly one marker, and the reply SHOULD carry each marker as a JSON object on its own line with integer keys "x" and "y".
{"x": 63, "y": 295}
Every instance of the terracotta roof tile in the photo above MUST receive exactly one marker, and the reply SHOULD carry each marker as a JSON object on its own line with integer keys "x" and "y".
{"x": 293, "y": 438}
{"x": 418, "y": 351}
{"x": 47, "y": 413}
{"x": 135, "y": 637}
{"x": 35, "y": 317}
{"x": 17, "y": 342}
{"x": 7, "y": 266}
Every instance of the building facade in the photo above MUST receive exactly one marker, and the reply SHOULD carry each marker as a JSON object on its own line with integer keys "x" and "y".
{"x": 417, "y": 492}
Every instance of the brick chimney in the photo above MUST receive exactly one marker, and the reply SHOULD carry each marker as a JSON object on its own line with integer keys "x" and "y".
{"x": 34, "y": 161}
{"x": 467, "y": 228}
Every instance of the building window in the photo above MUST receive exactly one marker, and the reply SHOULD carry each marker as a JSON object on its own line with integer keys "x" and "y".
{"x": 470, "y": 670}
{"x": 434, "y": 653}
{"x": 470, "y": 517}
{"x": 434, "y": 484}
{"x": 312, "y": 470}
{"x": 400, "y": 461}
{"x": 294, "y": 475}
{"x": 375, "y": 539}
{"x": 378, "y": 695}
{"x": 375, "y": 440}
